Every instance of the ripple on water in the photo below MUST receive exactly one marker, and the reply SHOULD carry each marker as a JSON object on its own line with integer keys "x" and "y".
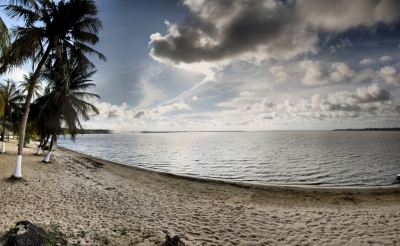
{"x": 363, "y": 158}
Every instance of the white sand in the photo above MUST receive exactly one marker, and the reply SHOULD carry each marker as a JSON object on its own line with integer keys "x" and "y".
{"x": 95, "y": 202}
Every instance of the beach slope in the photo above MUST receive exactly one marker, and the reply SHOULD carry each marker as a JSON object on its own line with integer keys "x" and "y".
{"x": 96, "y": 202}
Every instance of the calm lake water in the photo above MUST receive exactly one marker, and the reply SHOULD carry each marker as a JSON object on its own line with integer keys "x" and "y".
{"x": 283, "y": 157}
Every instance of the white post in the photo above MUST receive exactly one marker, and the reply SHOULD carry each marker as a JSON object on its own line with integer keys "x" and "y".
{"x": 38, "y": 151}
{"x": 17, "y": 171}
{"x": 47, "y": 158}
{"x": 3, "y": 147}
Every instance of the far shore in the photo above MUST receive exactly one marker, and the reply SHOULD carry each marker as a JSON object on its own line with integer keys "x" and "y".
{"x": 96, "y": 202}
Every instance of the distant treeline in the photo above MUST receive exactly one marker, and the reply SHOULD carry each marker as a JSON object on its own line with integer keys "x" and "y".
{"x": 371, "y": 129}
{"x": 182, "y": 131}
{"x": 94, "y": 131}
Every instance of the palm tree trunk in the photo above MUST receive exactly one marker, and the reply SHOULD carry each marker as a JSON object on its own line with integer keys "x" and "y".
{"x": 41, "y": 140}
{"x": 46, "y": 141}
{"x": 3, "y": 131}
{"x": 47, "y": 158}
{"x": 40, "y": 145}
{"x": 3, "y": 144}
{"x": 17, "y": 172}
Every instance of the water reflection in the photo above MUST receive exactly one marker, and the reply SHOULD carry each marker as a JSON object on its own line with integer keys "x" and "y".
{"x": 297, "y": 157}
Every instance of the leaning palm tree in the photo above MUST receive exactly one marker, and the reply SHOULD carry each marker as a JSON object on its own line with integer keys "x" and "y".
{"x": 64, "y": 105}
{"x": 49, "y": 28}
{"x": 25, "y": 84}
{"x": 11, "y": 98}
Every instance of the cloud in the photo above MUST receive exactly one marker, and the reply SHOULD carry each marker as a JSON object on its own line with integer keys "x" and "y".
{"x": 341, "y": 72}
{"x": 172, "y": 107}
{"x": 158, "y": 113}
{"x": 112, "y": 114}
{"x": 366, "y": 74}
{"x": 109, "y": 111}
{"x": 367, "y": 61}
{"x": 390, "y": 75}
{"x": 150, "y": 92}
{"x": 264, "y": 105}
{"x": 124, "y": 118}
{"x": 372, "y": 93}
{"x": 279, "y": 73}
{"x": 220, "y": 30}
{"x": 341, "y": 15}
{"x": 203, "y": 68}
{"x": 369, "y": 100}
{"x": 342, "y": 45}
{"x": 139, "y": 114}
{"x": 386, "y": 59}
{"x": 246, "y": 94}
{"x": 261, "y": 29}
{"x": 320, "y": 73}
{"x": 266, "y": 116}
{"x": 316, "y": 73}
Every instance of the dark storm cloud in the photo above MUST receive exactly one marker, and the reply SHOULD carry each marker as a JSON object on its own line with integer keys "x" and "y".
{"x": 217, "y": 30}
{"x": 224, "y": 29}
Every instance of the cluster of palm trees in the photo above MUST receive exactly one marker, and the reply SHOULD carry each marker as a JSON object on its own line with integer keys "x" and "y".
{"x": 10, "y": 100}
{"x": 55, "y": 40}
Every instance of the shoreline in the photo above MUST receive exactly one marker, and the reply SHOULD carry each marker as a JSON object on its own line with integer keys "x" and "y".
{"x": 395, "y": 187}
{"x": 96, "y": 202}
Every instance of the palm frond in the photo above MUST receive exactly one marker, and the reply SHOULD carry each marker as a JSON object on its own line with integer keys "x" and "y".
{"x": 86, "y": 37}
{"x": 19, "y": 12}
{"x": 86, "y": 49}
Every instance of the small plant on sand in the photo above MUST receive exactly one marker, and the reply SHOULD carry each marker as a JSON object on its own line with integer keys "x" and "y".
{"x": 56, "y": 238}
{"x": 105, "y": 241}
{"x": 124, "y": 232}
{"x": 157, "y": 241}
{"x": 82, "y": 234}
{"x": 134, "y": 242}
{"x": 147, "y": 233}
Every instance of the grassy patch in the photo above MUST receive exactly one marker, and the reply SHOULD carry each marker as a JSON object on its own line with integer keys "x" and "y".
{"x": 54, "y": 235}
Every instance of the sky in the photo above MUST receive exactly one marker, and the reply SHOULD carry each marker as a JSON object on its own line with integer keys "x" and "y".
{"x": 246, "y": 65}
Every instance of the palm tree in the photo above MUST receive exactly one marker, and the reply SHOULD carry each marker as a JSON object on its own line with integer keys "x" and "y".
{"x": 4, "y": 37}
{"x": 49, "y": 28}
{"x": 4, "y": 33}
{"x": 65, "y": 105}
{"x": 1, "y": 108}
{"x": 11, "y": 98}
{"x": 27, "y": 82}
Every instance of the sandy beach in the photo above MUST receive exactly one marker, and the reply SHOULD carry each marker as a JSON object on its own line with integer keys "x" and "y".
{"x": 96, "y": 202}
